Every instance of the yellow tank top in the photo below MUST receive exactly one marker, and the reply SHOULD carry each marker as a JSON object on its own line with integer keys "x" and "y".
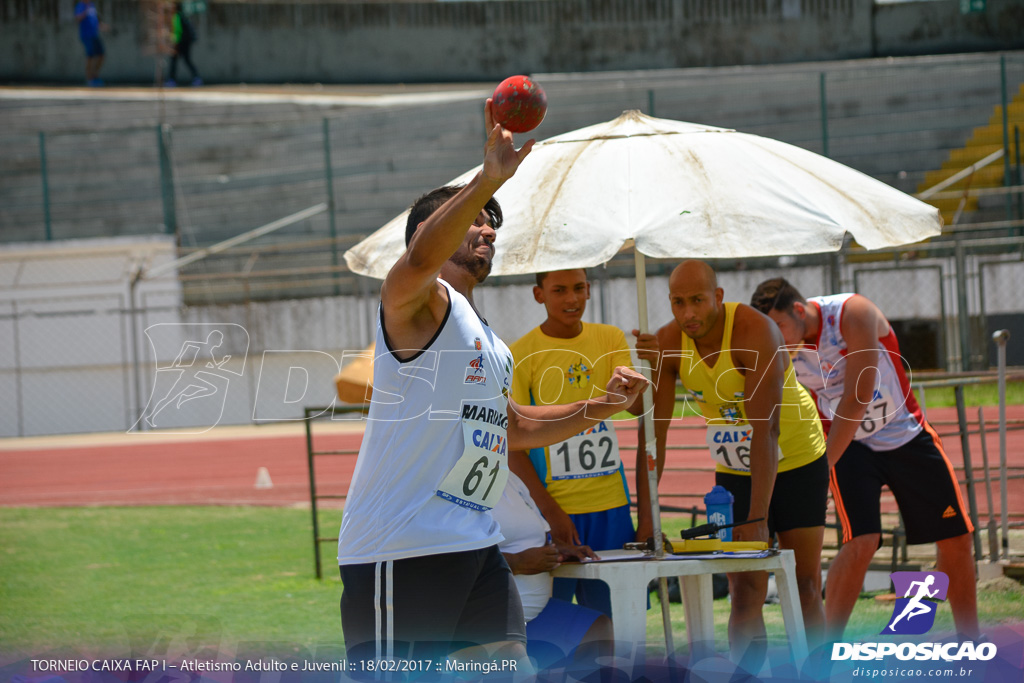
{"x": 719, "y": 392}
{"x": 583, "y": 474}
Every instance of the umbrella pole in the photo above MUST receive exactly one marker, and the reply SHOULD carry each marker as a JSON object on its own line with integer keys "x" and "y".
{"x": 651, "y": 451}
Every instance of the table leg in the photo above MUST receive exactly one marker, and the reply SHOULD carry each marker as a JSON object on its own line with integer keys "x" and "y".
{"x": 629, "y": 614}
{"x": 698, "y": 606}
{"x": 792, "y": 616}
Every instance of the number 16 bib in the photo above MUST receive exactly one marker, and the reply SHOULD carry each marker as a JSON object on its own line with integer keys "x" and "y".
{"x": 478, "y": 477}
{"x": 730, "y": 445}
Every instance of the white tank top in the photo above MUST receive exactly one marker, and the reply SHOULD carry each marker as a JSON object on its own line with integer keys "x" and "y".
{"x": 434, "y": 458}
{"x": 524, "y": 527}
{"x": 893, "y": 417}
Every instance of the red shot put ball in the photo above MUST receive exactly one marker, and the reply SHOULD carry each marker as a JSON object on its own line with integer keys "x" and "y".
{"x": 519, "y": 104}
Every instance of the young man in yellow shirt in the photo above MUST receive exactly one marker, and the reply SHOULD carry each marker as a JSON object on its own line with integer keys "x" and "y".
{"x": 579, "y": 483}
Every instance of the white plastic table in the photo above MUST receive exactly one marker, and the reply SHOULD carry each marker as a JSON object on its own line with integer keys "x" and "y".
{"x": 628, "y": 579}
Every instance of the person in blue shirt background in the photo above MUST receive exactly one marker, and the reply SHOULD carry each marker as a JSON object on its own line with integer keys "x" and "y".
{"x": 89, "y": 28}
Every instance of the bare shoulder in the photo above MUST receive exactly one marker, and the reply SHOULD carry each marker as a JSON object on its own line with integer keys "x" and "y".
{"x": 753, "y": 329}
{"x": 862, "y": 318}
{"x": 399, "y": 305}
{"x": 669, "y": 335}
{"x": 754, "y": 336}
{"x": 411, "y": 324}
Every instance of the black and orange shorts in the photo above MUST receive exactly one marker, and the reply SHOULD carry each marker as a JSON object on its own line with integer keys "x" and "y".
{"x": 920, "y": 476}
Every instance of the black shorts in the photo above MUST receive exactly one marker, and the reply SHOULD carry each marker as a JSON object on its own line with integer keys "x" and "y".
{"x": 799, "y": 498}
{"x": 921, "y": 478}
{"x": 425, "y": 607}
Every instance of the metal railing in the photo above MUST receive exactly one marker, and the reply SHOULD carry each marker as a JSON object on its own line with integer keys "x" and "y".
{"x": 311, "y": 415}
{"x": 968, "y": 472}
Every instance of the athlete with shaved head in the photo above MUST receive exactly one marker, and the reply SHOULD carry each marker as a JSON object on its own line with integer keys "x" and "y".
{"x": 762, "y": 432}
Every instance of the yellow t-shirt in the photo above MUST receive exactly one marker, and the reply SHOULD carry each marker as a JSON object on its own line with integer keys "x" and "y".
{"x": 719, "y": 392}
{"x": 586, "y": 475}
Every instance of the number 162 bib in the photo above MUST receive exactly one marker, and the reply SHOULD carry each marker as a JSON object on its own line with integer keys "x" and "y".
{"x": 594, "y": 452}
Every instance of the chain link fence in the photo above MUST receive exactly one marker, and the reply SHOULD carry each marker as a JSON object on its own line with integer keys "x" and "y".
{"x": 87, "y": 344}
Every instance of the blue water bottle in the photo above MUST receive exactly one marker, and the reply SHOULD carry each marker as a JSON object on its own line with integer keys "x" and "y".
{"x": 719, "y": 504}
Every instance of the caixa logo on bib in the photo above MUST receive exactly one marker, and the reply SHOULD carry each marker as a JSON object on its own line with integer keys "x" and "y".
{"x": 917, "y": 599}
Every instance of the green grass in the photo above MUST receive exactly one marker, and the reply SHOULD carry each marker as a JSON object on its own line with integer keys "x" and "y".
{"x": 975, "y": 395}
{"x": 869, "y": 617}
{"x": 868, "y": 620}
{"x": 943, "y": 397}
{"x": 104, "y": 578}
{"x": 166, "y": 580}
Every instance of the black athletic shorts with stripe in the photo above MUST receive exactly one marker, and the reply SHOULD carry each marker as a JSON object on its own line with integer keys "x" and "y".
{"x": 920, "y": 476}
{"x": 425, "y": 607}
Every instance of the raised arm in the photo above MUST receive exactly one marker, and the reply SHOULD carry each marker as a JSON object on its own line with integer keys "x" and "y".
{"x": 412, "y": 300}
{"x": 860, "y": 327}
{"x": 756, "y": 349}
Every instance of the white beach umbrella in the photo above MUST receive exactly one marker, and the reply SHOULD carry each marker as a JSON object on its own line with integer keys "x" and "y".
{"x": 675, "y": 190}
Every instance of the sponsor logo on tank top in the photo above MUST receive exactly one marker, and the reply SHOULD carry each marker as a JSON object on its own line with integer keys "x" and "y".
{"x": 482, "y": 414}
{"x": 475, "y": 373}
{"x": 730, "y": 411}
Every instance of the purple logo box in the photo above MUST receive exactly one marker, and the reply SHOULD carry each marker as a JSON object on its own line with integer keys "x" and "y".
{"x": 914, "y": 612}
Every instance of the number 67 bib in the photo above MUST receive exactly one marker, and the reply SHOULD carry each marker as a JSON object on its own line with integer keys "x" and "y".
{"x": 478, "y": 477}
{"x": 880, "y": 410}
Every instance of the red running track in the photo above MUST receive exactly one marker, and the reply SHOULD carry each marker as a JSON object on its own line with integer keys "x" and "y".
{"x": 220, "y": 467}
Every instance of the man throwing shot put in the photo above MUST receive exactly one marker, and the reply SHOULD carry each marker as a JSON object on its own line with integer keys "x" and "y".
{"x": 418, "y": 550}
{"x": 846, "y": 353}
{"x": 762, "y": 432}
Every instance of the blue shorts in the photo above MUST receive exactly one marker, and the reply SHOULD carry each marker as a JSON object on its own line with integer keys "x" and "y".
{"x": 557, "y": 631}
{"x": 93, "y": 46}
{"x": 604, "y": 530}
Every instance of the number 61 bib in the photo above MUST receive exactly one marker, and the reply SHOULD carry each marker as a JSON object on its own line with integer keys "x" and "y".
{"x": 594, "y": 452}
{"x": 478, "y": 477}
